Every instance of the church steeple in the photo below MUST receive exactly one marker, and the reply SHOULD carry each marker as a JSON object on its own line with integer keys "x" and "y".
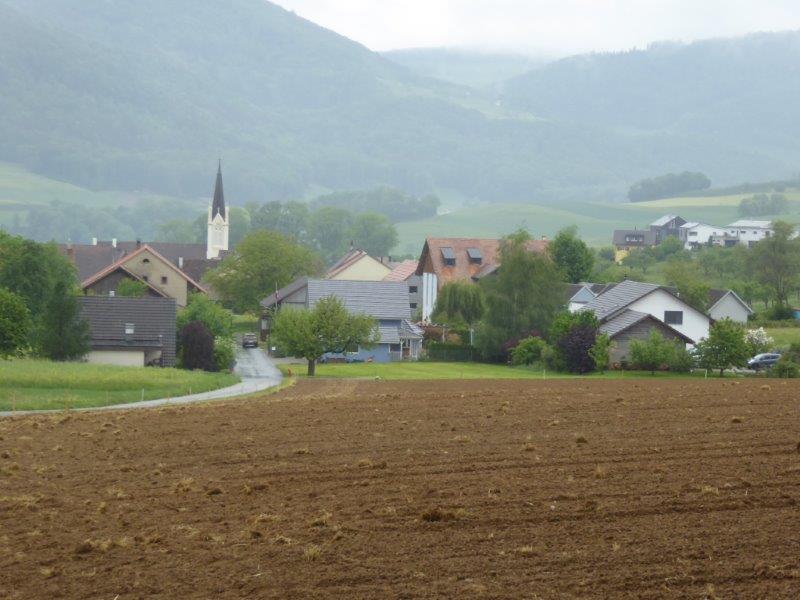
{"x": 218, "y": 206}
{"x": 218, "y": 224}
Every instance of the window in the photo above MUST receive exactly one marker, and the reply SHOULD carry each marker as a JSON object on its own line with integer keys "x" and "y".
{"x": 673, "y": 317}
{"x": 145, "y": 278}
{"x": 163, "y": 279}
{"x": 130, "y": 328}
{"x": 413, "y": 305}
{"x": 146, "y": 261}
{"x": 475, "y": 255}
{"x": 449, "y": 256}
{"x": 693, "y": 233}
{"x": 412, "y": 289}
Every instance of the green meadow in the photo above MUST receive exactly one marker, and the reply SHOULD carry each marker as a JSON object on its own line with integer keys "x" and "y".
{"x": 595, "y": 220}
{"x": 44, "y": 385}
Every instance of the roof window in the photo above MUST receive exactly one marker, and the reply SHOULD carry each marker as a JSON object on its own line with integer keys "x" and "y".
{"x": 449, "y": 256}
{"x": 475, "y": 255}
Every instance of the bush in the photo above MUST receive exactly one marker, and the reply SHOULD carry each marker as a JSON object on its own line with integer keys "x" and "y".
{"x": 217, "y": 320}
{"x": 758, "y": 341}
{"x": 528, "y": 351}
{"x": 573, "y": 336}
{"x": 681, "y": 360}
{"x": 780, "y": 313}
{"x": 446, "y": 352}
{"x": 652, "y": 354}
{"x": 224, "y": 354}
{"x": 601, "y": 352}
{"x": 197, "y": 347}
{"x": 786, "y": 368}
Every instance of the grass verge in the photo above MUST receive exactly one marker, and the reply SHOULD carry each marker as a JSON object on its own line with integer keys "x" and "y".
{"x": 44, "y": 385}
{"x": 451, "y": 370}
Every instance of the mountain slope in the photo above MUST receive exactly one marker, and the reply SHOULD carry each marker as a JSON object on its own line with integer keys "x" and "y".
{"x": 738, "y": 92}
{"x": 146, "y": 94}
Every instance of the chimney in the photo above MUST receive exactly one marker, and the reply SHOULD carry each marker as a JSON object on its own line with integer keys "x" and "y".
{"x": 94, "y": 241}
{"x": 138, "y": 243}
{"x": 113, "y": 242}
{"x": 70, "y": 251}
{"x": 180, "y": 262}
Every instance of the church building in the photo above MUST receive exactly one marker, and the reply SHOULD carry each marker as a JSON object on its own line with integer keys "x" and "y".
{"x": 218, "y": 221}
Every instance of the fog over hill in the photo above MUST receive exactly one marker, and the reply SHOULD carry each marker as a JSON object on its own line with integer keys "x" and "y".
{"x": 146, "y": 94}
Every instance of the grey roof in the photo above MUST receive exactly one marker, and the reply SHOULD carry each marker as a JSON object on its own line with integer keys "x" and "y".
{"x": 660, "y": 222}
{"x": 624, "y": 320}
{"x": 409, "y": 331}
{"x": 628, "y": 318}
{"x": 153, "y": 319}
{"x": 389, "y": 332}
{"x": 618, "y": 297}
{"x": 649, "y": 237}
{"x": 378, "y": 299}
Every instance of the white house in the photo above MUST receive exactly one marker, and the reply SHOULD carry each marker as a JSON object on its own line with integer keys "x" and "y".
{"x": 726, "y": 304}
{"x": 750, "y": 232}
{"x": 654, "y": 300}
{"x": 694, "y": 234}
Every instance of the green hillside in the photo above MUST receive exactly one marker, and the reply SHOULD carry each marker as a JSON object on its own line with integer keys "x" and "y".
{"x": 595, "y": 220}
{"x": 145, "y": 95}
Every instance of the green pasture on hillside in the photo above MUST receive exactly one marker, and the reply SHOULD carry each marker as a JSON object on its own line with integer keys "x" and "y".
{"x": 45, "y": 385}
{"x": 595, "y": 220}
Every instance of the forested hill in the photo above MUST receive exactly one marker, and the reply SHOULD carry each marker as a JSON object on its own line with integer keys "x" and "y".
{"x": 146, "y": 94}
{"x": 739, "y": 93}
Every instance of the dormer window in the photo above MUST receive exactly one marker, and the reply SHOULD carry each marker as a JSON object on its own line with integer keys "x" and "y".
{"x": 449, "y": 257}
{"x": 475, "y": 255}
{"x": 130, "y": 328}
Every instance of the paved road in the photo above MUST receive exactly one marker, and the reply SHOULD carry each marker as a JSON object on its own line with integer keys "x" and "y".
{"x": 256, "y": 369}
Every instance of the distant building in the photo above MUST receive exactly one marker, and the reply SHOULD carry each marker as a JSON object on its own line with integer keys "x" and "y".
{"x": 750, "y": 232}
{"x": 694, "y": 235}
{"x": 132, "y": 332}
{"x": 625, "y": 240}
{"x": 357, "y": 265}
{"x": 459, "y": 259}
{"x": 667, "y": 226}
{"x": 385, "y": 301}
{"x": 407, "y": 271}
{"x": 169, "y": 267}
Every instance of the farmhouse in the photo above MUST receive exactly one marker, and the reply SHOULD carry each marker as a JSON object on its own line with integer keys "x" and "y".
{"x": 385, "y": 301}
{"x": 726, "y": 304}
{"x": 167, "y": 268}
{"x": 458, "y": 259}
{"x": 654, "y": 300}
{"x": 162, "y": 278}
{"x": 130, "y": 331}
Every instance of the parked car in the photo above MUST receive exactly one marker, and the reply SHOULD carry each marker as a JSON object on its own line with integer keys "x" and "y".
{"x": 763, "y": 361}
{"x": 249, "y": 340}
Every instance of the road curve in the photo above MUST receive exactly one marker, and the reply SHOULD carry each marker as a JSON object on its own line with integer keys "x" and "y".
{"x": 257, "y": 371}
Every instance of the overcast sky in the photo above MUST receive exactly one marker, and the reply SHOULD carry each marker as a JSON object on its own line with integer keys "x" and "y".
{"x": 548, "y": 26}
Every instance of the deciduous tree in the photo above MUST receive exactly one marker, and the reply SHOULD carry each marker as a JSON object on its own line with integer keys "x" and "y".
{"x": 572, "y": 255}
{"x": 14, "y": 324}
{"x": 327, "y": 328}
{"x": 724, "y": 347}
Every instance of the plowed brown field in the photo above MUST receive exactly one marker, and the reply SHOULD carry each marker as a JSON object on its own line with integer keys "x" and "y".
{"x": 485, "y": 489}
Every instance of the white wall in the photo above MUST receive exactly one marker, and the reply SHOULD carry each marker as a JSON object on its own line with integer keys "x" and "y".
{"x": 695, "y": 324}
{"x": 429, "y": 292}
{"x": 729, "y": 308}
{"x": 120, "y": 358}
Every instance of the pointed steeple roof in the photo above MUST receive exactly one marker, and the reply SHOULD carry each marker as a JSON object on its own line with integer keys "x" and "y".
{"x": 218, "y": 206}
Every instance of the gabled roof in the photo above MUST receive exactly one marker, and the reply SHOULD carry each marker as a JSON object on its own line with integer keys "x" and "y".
{"x": 386, "y": 300}
{"x": 348, "y": 260}
{"x": 402, "y": 271}
{"x": 153, "y": 320}
{"x": 125, "y": 259}
{"x": 716, "y": 296}
{"x": 662, "y": 221}
{"x": 464, "y": 267}
{"x": 132, "y": 275}
{"x": 648, "y": 237}
{"x": 628, "y": 318}
{"x": 619, "y": 297}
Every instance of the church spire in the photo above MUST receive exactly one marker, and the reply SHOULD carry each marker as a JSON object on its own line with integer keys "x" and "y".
{"x": 218, "y": 206}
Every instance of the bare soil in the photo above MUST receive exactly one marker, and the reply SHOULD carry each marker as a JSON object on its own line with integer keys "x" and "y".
{"x": 344, "y": 489}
